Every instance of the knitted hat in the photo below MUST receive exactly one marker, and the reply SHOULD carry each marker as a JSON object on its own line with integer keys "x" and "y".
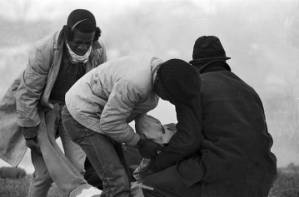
{"x": 179, "y": 79}
{"x": 208, "y": 48}
{"x": 82, "y": 20}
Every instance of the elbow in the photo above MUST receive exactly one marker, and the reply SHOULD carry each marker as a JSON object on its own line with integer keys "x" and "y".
{"x": 192, "y": 147}
{"x": 105, "y": 126}
{"x": 109, "y": 126}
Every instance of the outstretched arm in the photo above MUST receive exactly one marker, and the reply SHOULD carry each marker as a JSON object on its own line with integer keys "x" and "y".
{"x": 185, "y": 142}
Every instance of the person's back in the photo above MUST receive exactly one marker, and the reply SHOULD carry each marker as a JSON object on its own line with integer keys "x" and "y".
{"x": 234, "y": 107}
{"x": 236, "y": 150}
{"x": 236, "y": 133}
{"x": 129, "y": 75}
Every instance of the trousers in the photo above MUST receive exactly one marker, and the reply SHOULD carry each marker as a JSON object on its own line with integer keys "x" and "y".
{"x": 105, "y": 155}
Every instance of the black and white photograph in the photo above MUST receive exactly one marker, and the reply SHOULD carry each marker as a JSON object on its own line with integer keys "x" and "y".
{"x": 149, "y": 98}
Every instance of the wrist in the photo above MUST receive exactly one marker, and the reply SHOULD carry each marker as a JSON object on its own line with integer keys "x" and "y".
{"x": 152, "y": 166}
{"x": 133, "y": 141}
{"x": 140, "y": 143}
{"x": 29, "y": 132}
{"x": 31, "y": 138}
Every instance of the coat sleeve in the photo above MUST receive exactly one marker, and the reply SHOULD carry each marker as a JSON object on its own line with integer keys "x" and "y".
{"x": 114, "y": 118}
{"x": 32, "y": 83}
{"x": 185, "y": 142}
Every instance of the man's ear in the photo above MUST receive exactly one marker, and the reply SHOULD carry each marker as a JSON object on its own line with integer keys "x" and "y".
{"x": 97, "y": 34}
{"x": 67, "y": 34}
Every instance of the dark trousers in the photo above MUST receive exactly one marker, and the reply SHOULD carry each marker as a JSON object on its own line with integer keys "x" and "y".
{"x": 132, "y": 158}
{"x": 104, "y": 154}
{"x": 168, "y": 183}
{"x": 91, "y": 176}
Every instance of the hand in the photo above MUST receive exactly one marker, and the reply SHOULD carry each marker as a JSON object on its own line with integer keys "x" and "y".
{"x": 30, "y": 135}
{"x": 145, "y": 172}
{"x": 170, "y": 126}
{"x": 29, "y": 132}
{"x": 33, "y": 144}
{"x": 148, "y": 148}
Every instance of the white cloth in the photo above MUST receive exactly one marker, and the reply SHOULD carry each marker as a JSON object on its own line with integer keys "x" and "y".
{"x": 151, "y": 128}
{"x": 78, "y": 58}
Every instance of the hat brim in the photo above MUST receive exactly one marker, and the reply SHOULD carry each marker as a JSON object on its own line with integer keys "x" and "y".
{"x": 208, "y": 59}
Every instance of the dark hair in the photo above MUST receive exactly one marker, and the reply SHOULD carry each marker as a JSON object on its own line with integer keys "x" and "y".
{"x": 68, "y": 33}
{"x": 83, "y": 21}
{"x": 179, "y": 80}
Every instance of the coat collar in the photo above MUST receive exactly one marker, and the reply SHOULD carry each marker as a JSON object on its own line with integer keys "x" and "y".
{"x": 212, "y": 66}
{"x": 58, "y": 43}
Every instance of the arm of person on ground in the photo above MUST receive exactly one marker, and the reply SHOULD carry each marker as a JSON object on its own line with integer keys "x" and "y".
{"x": 185, "y": 142}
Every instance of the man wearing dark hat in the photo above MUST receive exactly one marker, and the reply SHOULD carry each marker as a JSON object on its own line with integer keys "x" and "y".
{"x": 240, "y": 161}
{"x": 227, "y": 152}
{"x": 53, "y": 67}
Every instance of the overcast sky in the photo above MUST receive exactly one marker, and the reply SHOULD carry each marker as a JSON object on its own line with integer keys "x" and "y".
{"x": 51, "y": 9}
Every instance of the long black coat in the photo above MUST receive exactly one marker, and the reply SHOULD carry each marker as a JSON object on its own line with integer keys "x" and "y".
{"x": 235, "y": 158}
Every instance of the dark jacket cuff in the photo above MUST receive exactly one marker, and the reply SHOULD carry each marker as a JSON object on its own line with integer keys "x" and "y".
{"x": 29, "y": 132}
{"x": 191, "y": 171}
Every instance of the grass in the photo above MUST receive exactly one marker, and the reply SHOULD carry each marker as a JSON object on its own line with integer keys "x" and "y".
{"x": 19, "y": 188}
{"x": 14, "y": 187}
{"x": 286, "y": 185}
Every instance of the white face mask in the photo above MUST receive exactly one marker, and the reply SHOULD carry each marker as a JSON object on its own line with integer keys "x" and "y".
{"x": 78, "y": 58}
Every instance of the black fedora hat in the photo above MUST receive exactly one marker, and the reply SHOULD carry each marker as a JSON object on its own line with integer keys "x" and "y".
{"x": 208, "y": 48}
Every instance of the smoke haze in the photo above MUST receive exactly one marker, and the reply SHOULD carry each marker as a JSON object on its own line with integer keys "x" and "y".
{"x": 262, "y": 37}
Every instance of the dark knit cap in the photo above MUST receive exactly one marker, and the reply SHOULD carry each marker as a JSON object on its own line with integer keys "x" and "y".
{"x": 208, "y": 48}
{"x": 179, "y": 79}
{"x": 82, "y": 20}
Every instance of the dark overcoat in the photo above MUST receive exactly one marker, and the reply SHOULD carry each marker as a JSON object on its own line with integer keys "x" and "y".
{"x": 236, "y": 158}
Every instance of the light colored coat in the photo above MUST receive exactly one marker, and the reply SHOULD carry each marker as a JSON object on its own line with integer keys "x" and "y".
{"x": 107, "y": 98}
{"x": 30, "y": 92}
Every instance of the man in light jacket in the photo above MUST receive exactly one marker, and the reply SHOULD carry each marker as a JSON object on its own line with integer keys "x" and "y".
{"x": 98, "y": 110}
{"x": 38, "y": 97}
